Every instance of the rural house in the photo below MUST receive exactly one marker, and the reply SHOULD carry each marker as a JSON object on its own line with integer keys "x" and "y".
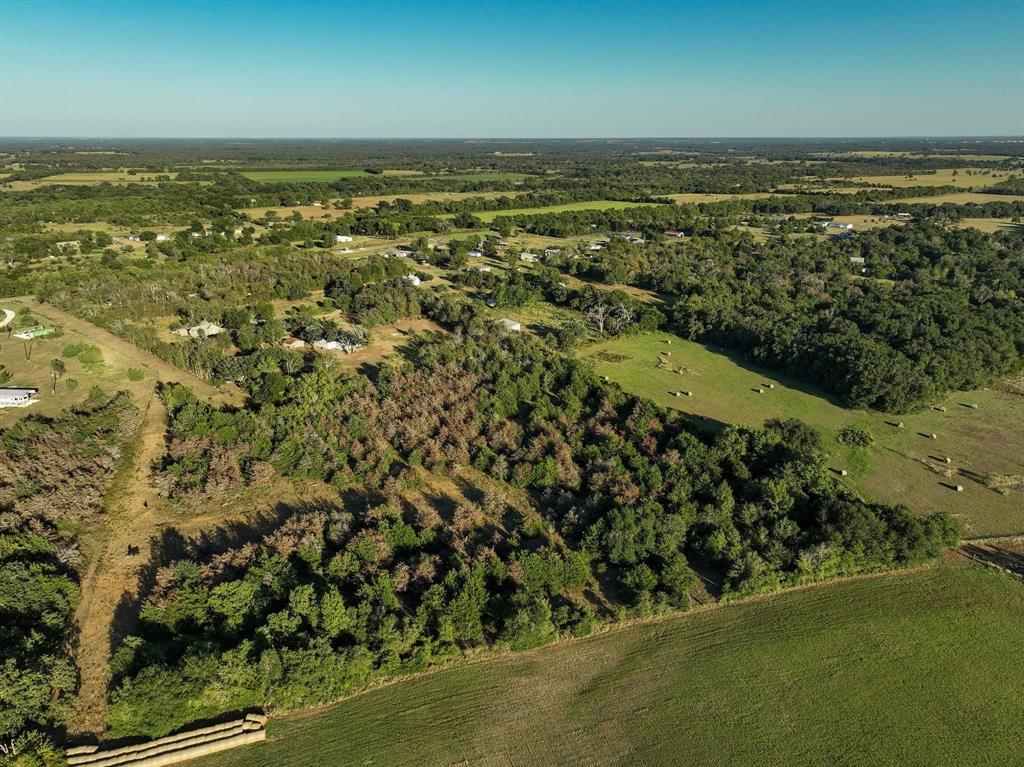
{"x": 14, "y": 397}
{"x": 204, "y": 329}
{"x": 412, "y": 279}
{"x": 35, "y": 331}
{"x": 510, "y": 325}
{"x": 342, "y": 238}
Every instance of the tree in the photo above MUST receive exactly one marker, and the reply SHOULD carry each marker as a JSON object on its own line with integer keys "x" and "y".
{"x": 57, "y": 369}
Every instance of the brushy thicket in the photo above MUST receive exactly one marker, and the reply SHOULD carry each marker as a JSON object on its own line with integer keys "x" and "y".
{"x": 627, "y": 501}
{"x": 52, "y": 479}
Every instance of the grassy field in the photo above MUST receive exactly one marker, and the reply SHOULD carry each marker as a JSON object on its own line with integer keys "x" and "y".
{"x": 87, "y": 179}
{"x": 906, "y": 670}
{"x": 693, "y": 197}
{"x": 961, "y": 198}
{"x": 990, "y": 225}
{"x": 976, "y": 178}
{"x": 898, "y": 468}
{"x": 490, "y": 215}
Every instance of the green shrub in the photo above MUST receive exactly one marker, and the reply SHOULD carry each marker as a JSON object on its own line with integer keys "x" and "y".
{"x": 135, "y": 374}
{"x": 91, "y": 355}
{"x": 854, "y": 436}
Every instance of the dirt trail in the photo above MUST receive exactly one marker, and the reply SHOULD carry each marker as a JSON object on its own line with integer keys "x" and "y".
{"x": 114, "y": 573}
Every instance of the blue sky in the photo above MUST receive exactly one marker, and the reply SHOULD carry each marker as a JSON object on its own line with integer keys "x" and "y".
{"x": 510, "y": 69}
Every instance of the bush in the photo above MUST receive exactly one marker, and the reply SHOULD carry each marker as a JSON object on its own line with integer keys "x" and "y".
{"x": 135, "y": 374}
{"x": 854, "y": 436}
{"x": 91, "y": 355}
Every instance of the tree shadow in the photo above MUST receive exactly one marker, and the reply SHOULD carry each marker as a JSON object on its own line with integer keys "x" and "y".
{"x": 170, "y": 545}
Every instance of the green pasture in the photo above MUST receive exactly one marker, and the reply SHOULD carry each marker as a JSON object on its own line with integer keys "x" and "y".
{"x": 905, "y": 670}
{"x": 904, "y": 465}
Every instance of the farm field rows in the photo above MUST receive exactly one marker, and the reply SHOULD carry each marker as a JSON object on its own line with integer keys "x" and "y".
{"x": 898, "y": 468}
{"x": 904, "y": 670}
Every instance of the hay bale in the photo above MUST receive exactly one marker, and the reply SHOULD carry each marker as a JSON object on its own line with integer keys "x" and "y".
{"x": 254, "y": 717}
{"x": 959, "y": 488}
{"x": 843, "y": 472}
{"x": 972, "y": 405}
{"x": 934, "y": 436}
{"x": 760, "y": 391}
{"x": 81, "y": 750}
{"x": 899, "y": 425}
{"x": 687, "y": 393}
{"x": 771, "y": 386}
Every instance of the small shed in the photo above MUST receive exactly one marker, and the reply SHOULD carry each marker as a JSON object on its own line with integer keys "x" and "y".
{"x": 510, "y": 325}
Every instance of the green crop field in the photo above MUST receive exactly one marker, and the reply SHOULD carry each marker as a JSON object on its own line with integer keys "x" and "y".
{"x": 490, "y": 215}
{"x": 984, "y": 444}
{"x": 908, "y": 670}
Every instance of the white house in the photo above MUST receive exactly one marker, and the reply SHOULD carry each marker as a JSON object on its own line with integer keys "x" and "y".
{"x": 510, "y": 325}
{"x": 11, "y": 397}
{"x": 204, "y": 329}
{"x": 595, "y": 246}
{"x": 412, "y": 279}
{"x": 342, "y": 238}
{"x": 162, "y": 238}
{"x": 475, "y": 254}
{"x": 293, "y": 343}
{"x": 134, "y": 238}
{"x": 530, "y": 258}
{"x": 336, "y": 346}
{"x": 72, "y": 244}
{"x": 856, "y": 259}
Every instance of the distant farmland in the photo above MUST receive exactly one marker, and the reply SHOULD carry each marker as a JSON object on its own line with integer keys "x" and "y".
{"x": 323, "y": 176}
{"x": 905, "y": 670}
{"x": 490, "y": 215}
{"x": 899, "y": 467}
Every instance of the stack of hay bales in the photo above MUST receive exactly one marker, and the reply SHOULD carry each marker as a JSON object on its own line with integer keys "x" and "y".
{"x": 174, "y": 748}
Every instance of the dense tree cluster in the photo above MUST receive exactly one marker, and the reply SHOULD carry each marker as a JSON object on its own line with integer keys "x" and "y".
{"x": 622, "y": 502}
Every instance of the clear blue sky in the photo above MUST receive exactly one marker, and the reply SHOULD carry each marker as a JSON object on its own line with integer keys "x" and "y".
{"x": 510, "y": 69}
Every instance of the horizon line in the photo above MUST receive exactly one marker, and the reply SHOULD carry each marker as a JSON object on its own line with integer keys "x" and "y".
{"x": 875, "y": 137}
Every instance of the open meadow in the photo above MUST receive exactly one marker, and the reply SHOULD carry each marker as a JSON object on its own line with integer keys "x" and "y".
{"x": 489, "y": 215}
{"x": 906, "y": 670}
{"x": 903, "y": 465}
{"x": 968, "y": 178}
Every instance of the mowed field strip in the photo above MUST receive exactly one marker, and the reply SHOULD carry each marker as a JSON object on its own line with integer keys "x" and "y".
{"x": 915, "y": 669}
{"x": 897, "y": 468}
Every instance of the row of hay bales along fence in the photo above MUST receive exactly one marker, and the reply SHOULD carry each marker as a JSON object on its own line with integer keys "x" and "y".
{"x": 174, "y": 748}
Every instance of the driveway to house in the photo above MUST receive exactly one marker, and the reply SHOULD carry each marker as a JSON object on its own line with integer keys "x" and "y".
{"x": 8, "y": 317}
